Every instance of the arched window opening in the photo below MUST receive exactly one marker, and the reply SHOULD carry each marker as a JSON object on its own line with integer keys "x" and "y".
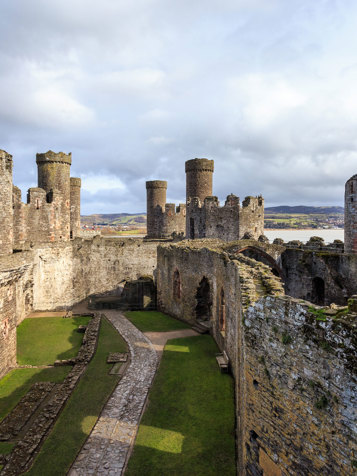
{"x": 203, "y": 300}
{"x": 318, "y": 291}
{"x": 177, "y": 285}
{"x": 222, "y": 312}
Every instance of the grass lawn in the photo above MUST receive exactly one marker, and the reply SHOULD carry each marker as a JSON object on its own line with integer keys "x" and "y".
{"x": 41, "y": 341}
{"x": 17, "y": 383}
{"x": 154, "y": 321}
{"x": 81, "y": 411}
{"x": 188, "y": 427}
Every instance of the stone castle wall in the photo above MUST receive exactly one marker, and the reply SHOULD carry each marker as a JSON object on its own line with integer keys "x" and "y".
{"x": 6, "y": 211}
{"x": 295, "y": 371}
{"x": 298, "y": 388}
{"x": 229, "y": 223}
{"x": 338, "y": 271}
{"x": 351, "y": 215}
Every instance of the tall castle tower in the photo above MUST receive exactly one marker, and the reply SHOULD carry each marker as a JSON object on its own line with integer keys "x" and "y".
{"x": 75, "y": 206}
{"x": 155, "y": 200}
{"x": 54, "y": 174}
{"x": 351, "y": 215}
{"x": 6, "y": 210}
{"x": 199, "y": 174}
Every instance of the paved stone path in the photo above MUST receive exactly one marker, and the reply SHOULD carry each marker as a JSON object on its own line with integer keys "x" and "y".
{"x": 108, "y": 447}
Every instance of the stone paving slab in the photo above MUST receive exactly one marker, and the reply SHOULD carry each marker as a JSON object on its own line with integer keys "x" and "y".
{"x": 108, "y": 447}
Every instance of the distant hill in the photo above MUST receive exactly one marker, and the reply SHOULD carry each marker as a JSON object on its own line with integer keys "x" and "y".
{"x": 302, "y": 209}
{"x": 114, "y": 219}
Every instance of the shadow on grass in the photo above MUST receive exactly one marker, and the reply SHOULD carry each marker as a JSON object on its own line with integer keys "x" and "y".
{"x": 34, "y": 340}
{"x": 82, "y": 409}
{"x": 189, "y": 425}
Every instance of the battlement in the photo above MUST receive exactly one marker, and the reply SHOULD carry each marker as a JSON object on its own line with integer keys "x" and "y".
{"x": 75, "y": 182}
{"x": 156, "y": 184}
{"x": 202, "y": 165}
{"x": 53, "y": 157}
{"x": 251, "y": 201}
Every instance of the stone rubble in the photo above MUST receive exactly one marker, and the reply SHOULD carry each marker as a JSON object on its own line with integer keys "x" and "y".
{"x": 23, "y": 454}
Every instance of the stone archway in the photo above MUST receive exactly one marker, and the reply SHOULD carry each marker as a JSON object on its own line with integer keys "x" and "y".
{"x": 260, "y": 255}
{"x": 203, "y": 308}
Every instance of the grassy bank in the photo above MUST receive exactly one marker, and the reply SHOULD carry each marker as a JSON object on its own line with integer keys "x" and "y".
{"x": 188, "y": 427}
{"x": 154, "y": 321}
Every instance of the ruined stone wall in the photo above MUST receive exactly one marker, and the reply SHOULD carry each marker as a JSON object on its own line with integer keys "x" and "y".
{"x": 193, "y": 262}
{"x": 66, "y": 273}
{"x": 6, "y": 211}
{"x": 15, "y": 303}
{"x": 298, "y": 391}
{"x": 40, "y": 220}
{"x": 231, "y": 222}
{"x": 337, "y": 270}
{"x": 75, "y": 207}
{"x": 251, "y": 218}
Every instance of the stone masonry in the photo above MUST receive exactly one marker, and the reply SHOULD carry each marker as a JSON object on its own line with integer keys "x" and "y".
{"x": 202, "y": 216}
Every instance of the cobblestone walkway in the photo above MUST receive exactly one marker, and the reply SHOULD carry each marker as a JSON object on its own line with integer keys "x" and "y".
{"x": 107, "y": 449}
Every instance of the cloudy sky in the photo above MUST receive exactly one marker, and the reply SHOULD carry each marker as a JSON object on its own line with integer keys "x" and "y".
{"x": 266, "y": 88}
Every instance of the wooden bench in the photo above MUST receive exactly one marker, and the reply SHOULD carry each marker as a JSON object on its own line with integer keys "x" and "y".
{"x": 223, "y": 362}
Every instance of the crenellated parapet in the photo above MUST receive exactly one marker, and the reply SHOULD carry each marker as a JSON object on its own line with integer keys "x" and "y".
{"x": 207, "y": 219}
{"x": 52, "y": 209}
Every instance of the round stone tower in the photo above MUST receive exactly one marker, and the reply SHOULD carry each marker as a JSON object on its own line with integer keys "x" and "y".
{"x": 155, "y": 200}
{"x": 199, "y": 174}
{"x": 54, "y": 174}
{"x": 6, "y": 210}
{"x": 75, "y": 206}
{"x": 351, "y": 215}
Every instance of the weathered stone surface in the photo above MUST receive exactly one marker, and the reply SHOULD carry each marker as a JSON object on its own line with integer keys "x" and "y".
{"x": 298, "y": 388}
{"x": 108, "y": 447}
{"x": 22, "y": 455}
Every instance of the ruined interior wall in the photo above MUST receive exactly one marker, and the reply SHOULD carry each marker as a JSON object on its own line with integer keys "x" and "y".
{"x": 222, "y": 222}
{"x": 338, "y": 270}
{"x": 67, "y": 273}
{"x": 193, "y": 264}
{"x": 299, "y": 385}
{"x": 15, "y": 302}
{"x": 173, "y": 220}
{"x": 251, "y": 217}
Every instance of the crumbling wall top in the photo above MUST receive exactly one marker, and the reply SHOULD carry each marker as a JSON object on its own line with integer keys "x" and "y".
{"x": 5, "y": 155}
{"x": 199, "y": 164}
{"x": 76, "y": 182}
{"x": 156, "y": 184}
{"x": 54, "y": 157}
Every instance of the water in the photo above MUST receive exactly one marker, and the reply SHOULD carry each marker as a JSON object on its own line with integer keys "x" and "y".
{"x": 304, "y": 235}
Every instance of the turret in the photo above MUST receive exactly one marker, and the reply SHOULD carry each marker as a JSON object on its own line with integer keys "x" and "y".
{"x": 6, "y": 209}
{"x": 54, "y": 174}
{"x": 199, "y": 174}
{"x": 351, "y": 215}
{"x": 75, "y": 206}
{"x": 156, "y": 200}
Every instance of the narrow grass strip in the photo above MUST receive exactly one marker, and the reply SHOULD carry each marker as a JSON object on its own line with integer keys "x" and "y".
{"x": 82, "y": 410}
{"x": 154, "y": 321}
{"x": 188, "y": 427}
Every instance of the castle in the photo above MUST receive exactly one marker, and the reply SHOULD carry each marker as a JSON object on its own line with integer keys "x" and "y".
{"x": 52, "y": 211}
{"x": 202, "y": 216}
{"x": 283, "y": 314}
